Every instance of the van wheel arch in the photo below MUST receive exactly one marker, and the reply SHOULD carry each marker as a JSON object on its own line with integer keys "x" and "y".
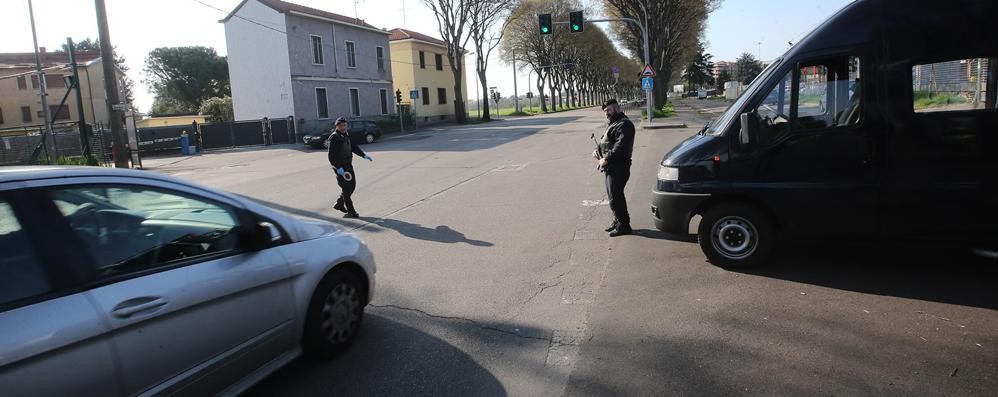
{"x": 716, "y": 200}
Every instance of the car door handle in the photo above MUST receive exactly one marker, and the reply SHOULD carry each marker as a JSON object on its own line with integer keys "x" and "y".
{"x": 130, "y": 307}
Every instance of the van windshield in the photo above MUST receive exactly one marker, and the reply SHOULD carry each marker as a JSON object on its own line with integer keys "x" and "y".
{"x": 723, "y": 121}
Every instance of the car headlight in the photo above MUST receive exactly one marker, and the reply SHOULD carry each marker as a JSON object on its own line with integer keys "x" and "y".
{"x": 668, "y": 173}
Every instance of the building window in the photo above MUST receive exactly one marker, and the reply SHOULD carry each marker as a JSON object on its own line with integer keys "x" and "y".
{"x": 1, "y": 115}
{"x": 351, "y": 56}
{"x": 59, "y": 113}
{"x": 426, "y": 96}
{"x": 355, "y": 102}
{"x": 440, "y": 61}
{"x": 34, "y": 81}
{"x": 951, "y": 86}
{"x": 422, "y": 60}
{"x": 384, "y": 101}
{"x": 321, "y": 103}
{"x": 26, "y": 114}
{"x": 381, "y": 58}
{"x": 55, "y": 81}
{"x": 22, "y": 84}
{"x": 316, "y": 50}
{"x": 442, "y": 96}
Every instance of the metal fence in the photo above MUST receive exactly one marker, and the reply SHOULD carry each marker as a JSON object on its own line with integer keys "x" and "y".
{"x": 214, "y": 136}
{"x": 24, "y": 145}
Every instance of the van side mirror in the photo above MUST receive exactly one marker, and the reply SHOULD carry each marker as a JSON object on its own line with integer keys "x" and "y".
{"x": 749, "y": 132}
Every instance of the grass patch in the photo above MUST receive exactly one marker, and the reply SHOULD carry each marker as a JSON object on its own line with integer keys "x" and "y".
{"x": 925, "y": 100}
{"x": 667, "y": 110}
{"x": 77, "y": 160}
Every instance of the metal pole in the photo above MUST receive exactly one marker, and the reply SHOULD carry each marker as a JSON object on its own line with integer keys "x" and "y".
{"x": 516, "y": 97}
{"x": 47, "y": 136}
{"x": 111, "y": 87}
{"x": 977, "y": 95}
{"x": 84, "y": 134}
{"x": 644, "y": 32}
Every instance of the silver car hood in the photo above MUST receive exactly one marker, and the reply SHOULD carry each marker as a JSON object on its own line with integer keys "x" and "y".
{"x": 311, "y": 228}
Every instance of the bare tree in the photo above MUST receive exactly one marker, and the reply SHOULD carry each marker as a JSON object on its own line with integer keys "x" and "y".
{"x": 484, "y": 15}
{"x": 452, "y": 20}
{"x": 674, "y": 30}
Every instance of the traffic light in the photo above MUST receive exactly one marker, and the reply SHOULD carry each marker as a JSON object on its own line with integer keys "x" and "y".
{"x": 398, "y": 96}
{"x": 575, "y": 21}
{"x": 545, "y": 21}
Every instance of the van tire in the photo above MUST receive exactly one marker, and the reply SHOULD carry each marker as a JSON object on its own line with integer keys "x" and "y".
{"x": 736, "y": 236}
{"x": 335, "y": 314}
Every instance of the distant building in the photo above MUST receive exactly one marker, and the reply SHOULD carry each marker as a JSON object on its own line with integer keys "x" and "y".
{"x": 167, "y": 121}
{"x": 421, "y": 65}
{"x": 290, "y": 60}
{"x": 721, "y": 66}
{"x": 20, "y": 106}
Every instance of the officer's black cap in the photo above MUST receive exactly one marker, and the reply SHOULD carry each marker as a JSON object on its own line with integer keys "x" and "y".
{"x": 340, "y": 120}
{"x": 609, "y": 102}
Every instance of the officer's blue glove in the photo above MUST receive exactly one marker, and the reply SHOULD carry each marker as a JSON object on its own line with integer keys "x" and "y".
{"x": 368, "y": 158}
{"x": 340, "y": 171}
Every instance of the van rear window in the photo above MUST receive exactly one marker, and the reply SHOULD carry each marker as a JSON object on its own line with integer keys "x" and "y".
{"x": 951, "y": 86}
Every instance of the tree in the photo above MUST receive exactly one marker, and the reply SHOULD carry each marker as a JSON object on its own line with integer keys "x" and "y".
{"x": 125, "y": 83}
{"x": 484, "y": 15}
{"x": 166, "y": 106}
{"x": 697, "y": 73}
{"x": 217, "y": 109}
{"x": 674, "y": 29}
{"x": 452, "y": 18}
{"x": 184, "y": 77}
{"x": 723, "y": 76}
{"x": 746, "y": 68}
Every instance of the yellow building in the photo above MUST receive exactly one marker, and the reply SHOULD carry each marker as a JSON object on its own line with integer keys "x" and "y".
{"x": 167, "y": 121}
{"x": 419, "y": 63}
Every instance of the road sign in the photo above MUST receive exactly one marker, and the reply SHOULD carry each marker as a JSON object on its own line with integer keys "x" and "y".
{"x": 647, "y": 71}
{"x": 647, "y": 83}
{"x": 413, "y": 94}
{"x": 616, "y": 72}
{"x": 121, "y": 107}
{"x": 530, "y": 94}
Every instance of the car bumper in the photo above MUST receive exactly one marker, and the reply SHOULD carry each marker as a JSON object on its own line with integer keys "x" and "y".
{"x": 672, "y": 211}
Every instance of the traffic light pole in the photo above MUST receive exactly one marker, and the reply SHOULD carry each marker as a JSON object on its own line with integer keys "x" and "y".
{"x": 644, "y": 33}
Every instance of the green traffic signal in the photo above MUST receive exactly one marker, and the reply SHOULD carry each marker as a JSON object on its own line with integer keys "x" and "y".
{"x": 576, "y": 20}
{"x": 545, "y": 23}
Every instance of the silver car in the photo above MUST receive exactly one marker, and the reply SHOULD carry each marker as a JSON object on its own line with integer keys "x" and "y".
{"x": 124, "y": 282}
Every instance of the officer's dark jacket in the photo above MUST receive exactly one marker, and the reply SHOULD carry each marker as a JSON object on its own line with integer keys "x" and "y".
{"x": 341, "y": 150}
{"x": 618, "y": 142}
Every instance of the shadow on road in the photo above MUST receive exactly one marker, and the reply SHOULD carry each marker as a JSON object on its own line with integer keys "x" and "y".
{"x": 656, "y": 234}
{"x": 389, "y": 358}
{"x": 440, "y": 234}
{"x": 932, "y": 272}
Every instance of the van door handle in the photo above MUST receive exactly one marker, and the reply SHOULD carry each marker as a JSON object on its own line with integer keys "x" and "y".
{"x": 132, "y": 306}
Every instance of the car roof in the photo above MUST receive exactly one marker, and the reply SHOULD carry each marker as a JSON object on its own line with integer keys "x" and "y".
{"x": 28, "y": 173}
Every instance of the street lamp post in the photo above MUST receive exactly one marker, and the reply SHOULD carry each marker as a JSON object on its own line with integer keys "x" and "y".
{"x": 530, "y": 101}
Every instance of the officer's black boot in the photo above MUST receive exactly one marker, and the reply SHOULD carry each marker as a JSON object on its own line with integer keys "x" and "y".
{"x": 339, "y": 205}
{"x": 621, "y": 230}
{"x": 612, "y": 226}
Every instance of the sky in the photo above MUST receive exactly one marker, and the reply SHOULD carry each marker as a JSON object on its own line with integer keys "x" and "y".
{"x": 139, "y": 26}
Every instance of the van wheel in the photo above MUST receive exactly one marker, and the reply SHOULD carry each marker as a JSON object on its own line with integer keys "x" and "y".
{"x": 369, "y": 138}
{"x": 736, "y": 236}
{"x": 334, "y": 315}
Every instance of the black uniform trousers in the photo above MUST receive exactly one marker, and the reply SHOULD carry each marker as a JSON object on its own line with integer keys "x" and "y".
{"x": 616, "y": 179}
{"x": 347, "y": 188}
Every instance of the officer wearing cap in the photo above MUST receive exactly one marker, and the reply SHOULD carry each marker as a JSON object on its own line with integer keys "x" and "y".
{"x": 617, "y": 144}
{"x": 341, "y": 152}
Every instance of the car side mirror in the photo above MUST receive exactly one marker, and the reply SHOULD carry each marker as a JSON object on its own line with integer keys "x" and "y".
{"x": 749, "y": 132}
{"x": 262, "y": 235}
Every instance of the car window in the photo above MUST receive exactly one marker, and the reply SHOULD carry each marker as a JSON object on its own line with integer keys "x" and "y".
{"x": 129, "y": 228}
{"x": 954, "y": 85}
{"x": 21, "y": 273}
{"x": 774, "y": 111}
{"x": 828, "y": 94}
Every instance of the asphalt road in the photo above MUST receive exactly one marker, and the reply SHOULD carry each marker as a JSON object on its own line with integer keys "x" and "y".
{"x": 495, "y": 278}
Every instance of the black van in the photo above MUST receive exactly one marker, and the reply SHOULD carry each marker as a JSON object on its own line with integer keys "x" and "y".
{"x": 880, "y": 122}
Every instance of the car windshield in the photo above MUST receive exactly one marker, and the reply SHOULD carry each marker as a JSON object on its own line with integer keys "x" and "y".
{"x": 730, "y": 114}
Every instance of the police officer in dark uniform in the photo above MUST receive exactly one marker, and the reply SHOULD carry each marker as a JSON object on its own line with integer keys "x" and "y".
{"x": 341, "y": 152}
{"x": 616, "y": 145}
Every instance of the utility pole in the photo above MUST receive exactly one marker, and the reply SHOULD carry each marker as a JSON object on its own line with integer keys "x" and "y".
{"x": 84, "y": 132}
{"x": 516, "y": 97}
{"x": 47, "y": 137}
{"x": 111, "y": 88}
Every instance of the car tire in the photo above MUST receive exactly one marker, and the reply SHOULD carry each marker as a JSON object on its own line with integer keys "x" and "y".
{"x": 736, "y": 236}
{"x": 335, "y": 314}
{"x": 369, "y": 138}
